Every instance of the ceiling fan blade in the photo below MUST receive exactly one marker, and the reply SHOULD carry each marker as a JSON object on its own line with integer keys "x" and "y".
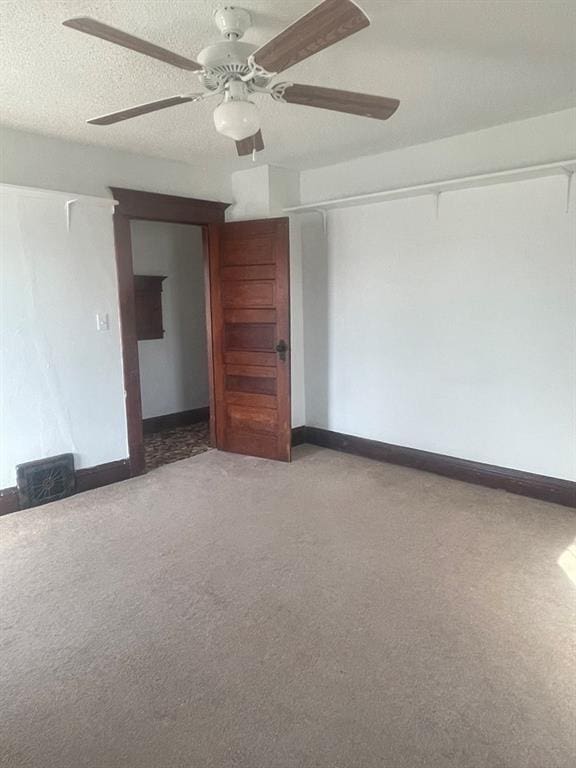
{"x": 113, "y": 35}
{"x": 141, "y": 109}
{"x": 378, "y": 107}
{"x": 324, "y": 25}
{"x": 251, "y": 144}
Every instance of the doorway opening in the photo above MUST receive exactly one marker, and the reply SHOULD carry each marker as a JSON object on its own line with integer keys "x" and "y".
{"x": 247, "y": 325}
{"x": 168, "y": 267}
{"x": 136, "y": 206}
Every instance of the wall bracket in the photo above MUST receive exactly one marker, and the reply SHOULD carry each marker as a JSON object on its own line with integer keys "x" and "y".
{"x": 437, "y": 204}
{"x": 68, "y": 206}
{"x": 569, "y": 177}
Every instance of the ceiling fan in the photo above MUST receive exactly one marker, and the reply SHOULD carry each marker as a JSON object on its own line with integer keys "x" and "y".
{"x": 235, "y": 70}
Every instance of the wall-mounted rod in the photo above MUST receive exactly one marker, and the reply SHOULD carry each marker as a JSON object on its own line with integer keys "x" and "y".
{"x": 438, "y": 187}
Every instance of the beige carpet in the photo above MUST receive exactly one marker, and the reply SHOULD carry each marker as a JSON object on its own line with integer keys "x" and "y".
{"x": 229, "y": 612}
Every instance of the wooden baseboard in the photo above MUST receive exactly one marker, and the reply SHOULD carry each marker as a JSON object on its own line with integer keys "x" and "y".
{"x": 535, "y": 486}
{"x": 9, "y": 500}
{"x": 541, "y": 487}
{"x": 86, "y": 480}
{"x": 172, "y": 420}
{"x": 102, "y": 474}
{"x": 298, "y": 435}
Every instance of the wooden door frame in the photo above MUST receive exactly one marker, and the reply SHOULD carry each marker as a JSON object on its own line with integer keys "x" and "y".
{"x": 151, "y": 206}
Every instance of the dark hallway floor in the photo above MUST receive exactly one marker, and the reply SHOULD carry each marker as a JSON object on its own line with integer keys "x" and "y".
{"x": 175, "y": 444}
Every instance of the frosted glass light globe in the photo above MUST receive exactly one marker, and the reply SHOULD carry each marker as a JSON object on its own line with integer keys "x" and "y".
{"x": 237, "y": 119}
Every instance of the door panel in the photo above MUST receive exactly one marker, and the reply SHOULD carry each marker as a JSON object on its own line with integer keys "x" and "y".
{"x": 247, "y": 250}
{"x": 249, "y": 398}
{"x": 236, "y": 357}
{"x": 260, "y": 272}
{"x": 249, "y": 316}
{"x": 247, "y": 293}
{"x": 255, "y": 384}
{"x": 249, "y": 285}
{"x": 258, "y": 420}
{"x": 250, "y": 337}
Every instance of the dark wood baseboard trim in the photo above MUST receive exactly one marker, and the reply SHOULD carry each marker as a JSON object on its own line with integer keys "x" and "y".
{"x": 549, "y": 489}
{"x": 102, "y": 474}
{"x": 9, "y": 501}
{"x": 172, "y": 420}
{"x": 86, "y": 480}
{"x": 298, "y": 435}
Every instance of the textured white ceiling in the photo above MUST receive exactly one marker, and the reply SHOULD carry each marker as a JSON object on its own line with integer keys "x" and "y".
{"x": 456, "y": 66}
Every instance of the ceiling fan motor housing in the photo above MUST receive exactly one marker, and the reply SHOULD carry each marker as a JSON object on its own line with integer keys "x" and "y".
{"x": 225, "y": 60}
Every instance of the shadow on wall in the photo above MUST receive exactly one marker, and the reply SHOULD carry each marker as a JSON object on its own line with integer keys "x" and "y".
{"x": 316, "y": 305}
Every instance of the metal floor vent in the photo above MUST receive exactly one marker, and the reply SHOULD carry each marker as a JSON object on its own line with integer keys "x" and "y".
{"x": 45, "y": 480}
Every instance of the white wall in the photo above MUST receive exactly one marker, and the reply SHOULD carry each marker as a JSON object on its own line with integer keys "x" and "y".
{"x": 250, "y": 193}
{"x": 453, "y": 335}
{"x": 505, "y": 400}
{"x": 62, "y": 387}
{"x": 173, "y": 370}
{"x": 61, "y": 379}
{"x": 538, "y": 140}
{"x": 30, "y": 159}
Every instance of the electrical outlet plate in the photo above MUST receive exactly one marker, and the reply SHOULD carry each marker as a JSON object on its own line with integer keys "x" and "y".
{"x": 102, "y": 321}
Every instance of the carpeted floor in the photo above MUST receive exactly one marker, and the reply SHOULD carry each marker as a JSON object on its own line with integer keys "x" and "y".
{"x": 230, "y": 612}
{"x": 175, "y": 444}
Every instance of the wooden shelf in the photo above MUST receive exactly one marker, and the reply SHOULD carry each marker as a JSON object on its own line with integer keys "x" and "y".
{"x": 564, "y": 167}
{"x": 148, "y": 297}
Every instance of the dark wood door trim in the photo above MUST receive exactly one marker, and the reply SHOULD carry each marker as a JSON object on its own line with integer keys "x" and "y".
{"x": 168, "y": 208}
{"x": 151, "y": 206}
{"x": 212, "y": 248}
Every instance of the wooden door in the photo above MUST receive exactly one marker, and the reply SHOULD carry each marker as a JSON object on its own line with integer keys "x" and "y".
{"x": 250, "y": 319}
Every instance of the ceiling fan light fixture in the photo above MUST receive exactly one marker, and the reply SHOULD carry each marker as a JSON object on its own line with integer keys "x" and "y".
{"x": 239, "y": 70}
{"x": 237, "y": 119}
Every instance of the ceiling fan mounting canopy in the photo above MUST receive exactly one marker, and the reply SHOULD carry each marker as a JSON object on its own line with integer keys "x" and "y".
{"x": 232, "y": 21}
{"x": 237, "y": 70}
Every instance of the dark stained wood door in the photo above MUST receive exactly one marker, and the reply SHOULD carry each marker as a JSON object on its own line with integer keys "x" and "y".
{"x": 250, "y": 311}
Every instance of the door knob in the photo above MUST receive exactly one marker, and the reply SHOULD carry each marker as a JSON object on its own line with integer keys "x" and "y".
{"x": 282, "y": 348}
